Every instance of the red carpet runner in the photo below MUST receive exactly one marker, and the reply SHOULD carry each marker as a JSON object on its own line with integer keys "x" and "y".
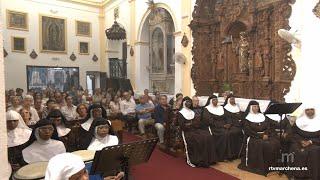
{"x": 165, "y": 167}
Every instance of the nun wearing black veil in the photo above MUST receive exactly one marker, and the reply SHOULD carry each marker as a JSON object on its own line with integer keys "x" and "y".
{"x": 199, "y": 145}
{"x": 226, "y": 132}
{"x": 282, "y": 124}
{"x": 102, "y": 135}
{"x": 95, "y": 111}
{"x": 262, "y": 148}
{"x": 306, "y": 145}
{"x": 43, "y": 143}
{"x": 232, "y": 111}
{"x": 65, "y": 134}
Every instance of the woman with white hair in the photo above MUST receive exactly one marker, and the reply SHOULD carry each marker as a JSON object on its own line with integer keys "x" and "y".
{"x": 306, "y": 144}
{"x": 18, "y": 134}
{"x": 27, "y": 104}
{"x": 43, "y": 143}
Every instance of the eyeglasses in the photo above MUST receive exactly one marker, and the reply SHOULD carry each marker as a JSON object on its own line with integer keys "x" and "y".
{"x": 56, "y": 119}
{"x": 103, "y": 127}
{"x": 46, "y": 129}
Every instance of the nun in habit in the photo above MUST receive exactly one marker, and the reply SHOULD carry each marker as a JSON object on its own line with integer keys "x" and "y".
{"x": 65, "y": 134}
{"x": 277, "y": 122}
{"x": 43, "y": 143}
{"x": 66, "y": 166}
{"x": 232, "y": 111}
{"x": 199, "y": 144}
{"x": 306, "y": 145}
{"x": 95, "y": 111}
{"x": 262, "y": 148}
{"x": 226, "y": 132}
{"x": 18, "y": 134}
{"x": 70, "y": 166}
{"x": 102, "y": 135}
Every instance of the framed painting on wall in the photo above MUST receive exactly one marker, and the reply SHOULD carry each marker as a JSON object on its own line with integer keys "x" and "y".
{"x": 17, "y": 20}
{"x": 83, "y": 28}
{"x": 18, "y": 44}
{"x": 53, "y": 34}
{"x": 84, "y": 48}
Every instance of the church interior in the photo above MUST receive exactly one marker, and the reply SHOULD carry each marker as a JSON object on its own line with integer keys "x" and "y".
{"x": 159, "y": 89}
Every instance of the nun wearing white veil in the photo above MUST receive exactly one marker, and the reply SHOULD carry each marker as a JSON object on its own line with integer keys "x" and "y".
{"x": 43, "y": 143}
{"x": 262, "y": 148}
{"x": 18, "y": 135}
{"x": 199, "y": 144}
{"x": 95, "y": 111}
{"x": 232, "y": 111}
{"x": 306, "y": 144}
{"x": 66, "y": 166}
{"x": 103, "y": 135}
{"x": 226, "y": 132}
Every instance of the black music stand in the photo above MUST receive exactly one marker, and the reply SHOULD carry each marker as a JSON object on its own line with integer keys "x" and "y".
{"x": 280, "y": 109}
{"x": 113, "y": 159}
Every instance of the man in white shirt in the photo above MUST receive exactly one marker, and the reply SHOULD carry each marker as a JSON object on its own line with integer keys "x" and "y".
{"x": 127, "y": 108}
{"x": 69, "y": 110}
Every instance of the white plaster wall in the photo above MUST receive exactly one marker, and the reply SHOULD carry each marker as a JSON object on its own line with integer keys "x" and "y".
{"x": 305, "y": 84}
{"x": 309, "y": 53}
{"x": 15, "y": 63}
{"x": 179, "y": 74}
{"x": 193, "y": 91}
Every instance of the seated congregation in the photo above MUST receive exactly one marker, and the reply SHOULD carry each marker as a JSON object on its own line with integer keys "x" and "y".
{"x": 44, "y": 124}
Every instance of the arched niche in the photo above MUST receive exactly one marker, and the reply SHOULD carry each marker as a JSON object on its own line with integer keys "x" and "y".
{"x": 155, "y": 49}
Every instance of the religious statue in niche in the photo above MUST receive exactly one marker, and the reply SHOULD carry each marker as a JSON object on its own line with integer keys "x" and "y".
{"x": 266, "y": 57}
{"x": 243, "y": 52}
{"x": 53, "y": 34}
{"x": 220, "y": 64}
{"x": 157, "y": 51}
{"x": 258, "y": 58}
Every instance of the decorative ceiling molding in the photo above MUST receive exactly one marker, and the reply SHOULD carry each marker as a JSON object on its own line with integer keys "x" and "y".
{"x": 94, "y": 3}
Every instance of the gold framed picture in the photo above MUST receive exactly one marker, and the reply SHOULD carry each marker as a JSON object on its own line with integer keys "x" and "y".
{"x": 84, "y": 48}
{"x": 17, "y": 20}
{"x": 53, "y": 34}
{"x": 18, "y": 44}
{"x": 83, "y": 28}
